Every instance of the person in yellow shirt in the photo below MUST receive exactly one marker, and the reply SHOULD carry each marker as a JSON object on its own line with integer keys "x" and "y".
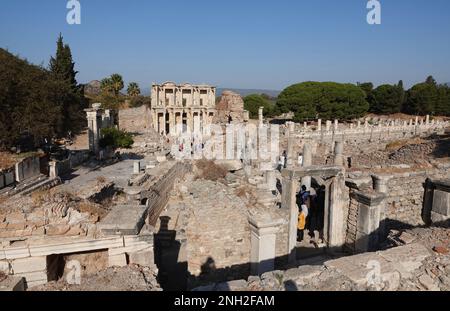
{"x": 302, "y": 222}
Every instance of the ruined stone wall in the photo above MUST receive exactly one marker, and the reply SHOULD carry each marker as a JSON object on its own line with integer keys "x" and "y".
{"x": 7, "y": 178}
{"x": 28, "y": 168}
{"x": 352, "y": 224}
{"x": 405, "y": 194}
{"x": 135, "y": 120}
{"x": 158, "y": 195}
{"x": 218, "y": 232}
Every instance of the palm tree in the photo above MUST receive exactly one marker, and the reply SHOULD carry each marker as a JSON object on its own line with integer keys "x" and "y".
{"x": 106, "y": 85}
{"x": 117, "y": 83}
{"x": 133, "y": 89}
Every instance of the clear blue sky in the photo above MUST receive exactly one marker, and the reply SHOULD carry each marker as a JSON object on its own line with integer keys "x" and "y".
{"x": 239, "y": 44}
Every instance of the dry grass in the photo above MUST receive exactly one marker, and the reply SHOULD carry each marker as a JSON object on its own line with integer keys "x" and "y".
{"x": 241, "y": 192}
{"x": 41, "y": 197}
{"x": 38, "y": 197}
{"x": 7, "y": 160}
{"x": 208, "y": 170}
{"x": 101, "y": 180}
{"x": 3, "y": 200}
{"x": 92, "y": 209}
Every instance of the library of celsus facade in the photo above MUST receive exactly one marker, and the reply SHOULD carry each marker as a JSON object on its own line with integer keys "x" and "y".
{"x": 186, "y": 107}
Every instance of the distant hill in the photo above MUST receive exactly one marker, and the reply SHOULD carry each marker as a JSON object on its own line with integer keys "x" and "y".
{"x": 92, "y": 88}
{"x": 242, "y": 92}
{"x": 245, "y": 92}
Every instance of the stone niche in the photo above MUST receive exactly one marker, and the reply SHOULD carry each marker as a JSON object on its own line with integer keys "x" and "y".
{"x": 437, "y": 201}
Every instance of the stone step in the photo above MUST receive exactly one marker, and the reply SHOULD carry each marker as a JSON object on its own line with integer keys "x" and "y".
{"x": 44, "y": 185}
{"x": 26, "y": 184}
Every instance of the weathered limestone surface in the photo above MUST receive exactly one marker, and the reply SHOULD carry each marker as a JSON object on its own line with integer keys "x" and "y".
{"x": 263, "y": 239}
{"x": 135, "y": 120}
{"x": 124, "y": 220}
{"x": 406, "y": 192}
{"x": 385, "y": 270}
{"x": 217, "y": 216}
{"x": 157, "y": 193}
{"x": 27, "y": 168}
{"x": 230, "y": 104}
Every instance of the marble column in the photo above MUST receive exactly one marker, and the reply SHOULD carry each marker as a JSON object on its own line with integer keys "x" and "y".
{"x": 261, "y": 116}
{"x": 94, "y": 118}
{"x": 337, "y": 207}
{"x": 290, "y": 152}
{"x": 288, "y": 201}
{"x": 307, "y": 161}
{"x": 339, "y": 153}
{"x": 328, "y": 125}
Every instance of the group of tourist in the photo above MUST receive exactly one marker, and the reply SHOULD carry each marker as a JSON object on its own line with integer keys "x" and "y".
{"x": 311, "y": 213}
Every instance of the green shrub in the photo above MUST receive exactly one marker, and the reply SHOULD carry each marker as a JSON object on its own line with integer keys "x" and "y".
{"x": 112, "y": 137}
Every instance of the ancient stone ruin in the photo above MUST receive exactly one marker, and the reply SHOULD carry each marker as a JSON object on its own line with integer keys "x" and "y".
{"x": 155, "y": 217}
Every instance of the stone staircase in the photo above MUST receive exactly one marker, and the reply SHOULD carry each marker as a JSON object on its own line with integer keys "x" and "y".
{"x": 28, "y": 186}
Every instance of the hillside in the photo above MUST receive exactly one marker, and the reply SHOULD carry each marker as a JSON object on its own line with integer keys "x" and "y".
{"x": 33, "y": 104}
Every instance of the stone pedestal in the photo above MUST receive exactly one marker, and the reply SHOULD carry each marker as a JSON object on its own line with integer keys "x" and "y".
{"x": 271, "y": 180}
{"x": 263, "y": 237}
{"x": 52, "y": 169}
{"x": 319, "y": 125}
{"x": 136, "y": 167}
{"x": 368, "y": 230}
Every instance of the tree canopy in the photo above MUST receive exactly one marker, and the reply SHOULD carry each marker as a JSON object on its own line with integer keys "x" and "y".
{"x": 133, "y": 89}
{"x": 428, "y": 98}
{"x": 37, "y": 102}
{"x": 69, "y": 94}
{"x": 311, "y": 100}
{"x": 386, "y": 99}
{"x": 112, "y": 85}
{"x": 253, "y": 102}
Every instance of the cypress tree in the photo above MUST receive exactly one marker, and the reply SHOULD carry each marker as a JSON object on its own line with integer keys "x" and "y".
{"x": 68, "y": 94}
